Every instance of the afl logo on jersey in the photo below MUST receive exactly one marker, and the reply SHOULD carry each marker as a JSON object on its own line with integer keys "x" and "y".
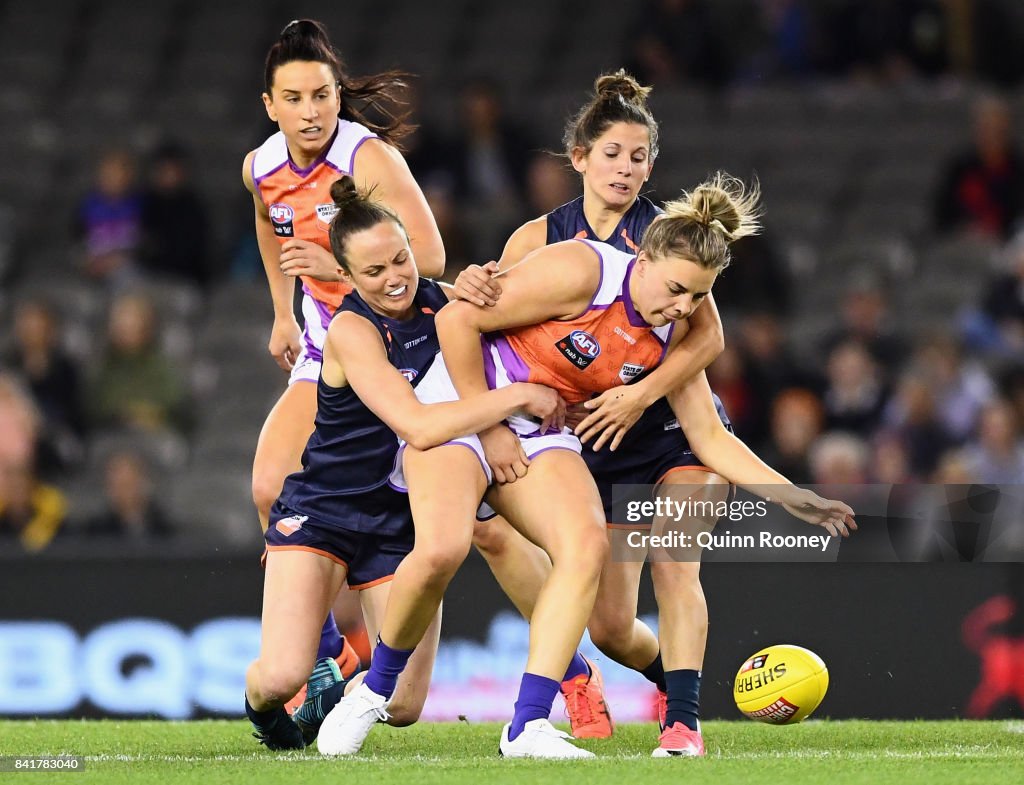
{"x": 580, "y": 348}
{"x": 324, "y": 214}
{"x": 282, "y": 218}
{"x": 409, "y": 373}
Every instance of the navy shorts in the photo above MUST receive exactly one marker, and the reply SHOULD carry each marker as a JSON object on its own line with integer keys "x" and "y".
{"x": 640, "y": 470}
{"x": 655, "y": 447}
{"x": 370, "y": 558}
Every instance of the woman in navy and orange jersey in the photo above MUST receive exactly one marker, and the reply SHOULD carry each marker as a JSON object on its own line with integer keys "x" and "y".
{"x": 340, "y": 518}
{"x": 322, "y": 136}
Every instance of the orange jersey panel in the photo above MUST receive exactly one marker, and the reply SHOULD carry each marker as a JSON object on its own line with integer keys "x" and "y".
{"x": 608, "y": 345}
{"x": 299, "y": 200}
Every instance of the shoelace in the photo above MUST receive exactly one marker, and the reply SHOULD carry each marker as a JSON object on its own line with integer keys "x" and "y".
{"x": 379, "y": 711}
{"x": 576, "y": 702}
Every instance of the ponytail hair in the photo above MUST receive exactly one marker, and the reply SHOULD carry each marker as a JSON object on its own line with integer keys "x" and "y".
{"x": 618, "y": 98}
{"x": 702, "y": 223}
{"x": 356, "y": 211}
{"x": 307, "y": 40}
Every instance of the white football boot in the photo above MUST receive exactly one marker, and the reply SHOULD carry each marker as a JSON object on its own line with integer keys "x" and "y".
{"x": 539, "y": 739}
{"x": 347, "y": 725}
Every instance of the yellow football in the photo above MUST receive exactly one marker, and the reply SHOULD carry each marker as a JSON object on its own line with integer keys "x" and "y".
{"x": 780, "y": 684}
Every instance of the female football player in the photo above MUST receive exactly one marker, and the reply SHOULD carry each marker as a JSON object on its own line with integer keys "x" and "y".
{"x": 339, "y": 518}
{"x": 322, "y": 135}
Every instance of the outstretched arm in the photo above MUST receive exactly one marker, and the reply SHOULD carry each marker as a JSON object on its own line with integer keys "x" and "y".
{"x": 726, "y": 455}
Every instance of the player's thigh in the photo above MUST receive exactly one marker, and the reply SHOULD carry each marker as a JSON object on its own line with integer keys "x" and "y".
{"x": 445, "y": 488}
{"x": 284, "y": 436}
{"x": 298, "y": 589}
{"x": 556, "y": 505}
{"x": 698, "y": 493}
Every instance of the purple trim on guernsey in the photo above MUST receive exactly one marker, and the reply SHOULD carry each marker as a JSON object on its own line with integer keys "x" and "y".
{"x": 352, "y": 159}
{"x": 490, "y": 372}
{"x": 319, "y": 159}
{"x": 325, "y": 312}
{"x": 313, "y": 351}
{"x": 277, "y": 168}
{"x": 668, "y": 340}
{"x": 634, "y": 318}
{"x": 514, "y": 366}
{"x": 257, "y": 180}
{"x": 605, "y": 307}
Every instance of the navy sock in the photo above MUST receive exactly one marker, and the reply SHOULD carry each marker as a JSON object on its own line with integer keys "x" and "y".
{"x": 330, "y": 639}
{"x": 683, "y": 698}
{"x": 386, "y": 665}
{"x": 655, "y": 673}
{"x": 536, "y": 694}
{"x": 263, "y": 719}
{"x": 577, "y": 667}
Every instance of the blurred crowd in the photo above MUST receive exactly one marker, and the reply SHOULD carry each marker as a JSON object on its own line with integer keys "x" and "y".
{"x": 865, "y": 401}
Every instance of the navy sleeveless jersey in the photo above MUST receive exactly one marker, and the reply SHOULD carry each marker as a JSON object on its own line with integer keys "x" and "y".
{"x": 657, "y": 431}
{"x": 569, "y": 223}
{"x": 353, "y": 451}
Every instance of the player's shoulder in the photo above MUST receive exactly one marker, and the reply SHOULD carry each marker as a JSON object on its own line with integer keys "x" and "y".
{"x": 268, "y": 157}
{"x": 351, "y": 140}
{"x": 247, "y": 177}
{"x": 646, "y": 206}
{"x": 527, "y": 238}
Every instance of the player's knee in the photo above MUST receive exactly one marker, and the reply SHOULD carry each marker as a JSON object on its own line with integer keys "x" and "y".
{"x": 680, "y": 579}
{"x": 440, "y": 560}
{"x": 407, "y": 705}
{"x": 589, "y": 551}
{"x": 266, "y": 487}
{"x": 610, "y": 627}
{"x": 404, "y": 713}
{"x": 490, "y": 538}
{"x": 279, "y": 682}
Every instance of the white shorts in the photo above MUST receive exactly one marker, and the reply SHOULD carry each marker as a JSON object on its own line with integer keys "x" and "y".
{"x": 317, "y": 316}
{"x": 436, "y": 387}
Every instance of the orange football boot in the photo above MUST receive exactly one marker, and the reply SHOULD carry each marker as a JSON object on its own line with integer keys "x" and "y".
{"x": 586, "y": 706}
{"x": 679, "y": 742}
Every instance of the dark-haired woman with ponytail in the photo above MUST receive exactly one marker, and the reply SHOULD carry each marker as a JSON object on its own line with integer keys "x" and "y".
{"x": 323, "y": 135}
{"x": 339, "y": 518}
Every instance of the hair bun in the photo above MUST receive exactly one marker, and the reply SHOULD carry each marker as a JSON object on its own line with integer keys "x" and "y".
{"x": 303, "y": 28}
{"x": 621, "y": 85}
{"x": 344, "y": 192}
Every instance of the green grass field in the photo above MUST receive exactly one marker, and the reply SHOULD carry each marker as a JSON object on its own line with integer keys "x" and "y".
{"x": 830, "y": 752}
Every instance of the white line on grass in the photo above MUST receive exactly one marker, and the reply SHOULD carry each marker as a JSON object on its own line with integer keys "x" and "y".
{"x": 950, "y": 753}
